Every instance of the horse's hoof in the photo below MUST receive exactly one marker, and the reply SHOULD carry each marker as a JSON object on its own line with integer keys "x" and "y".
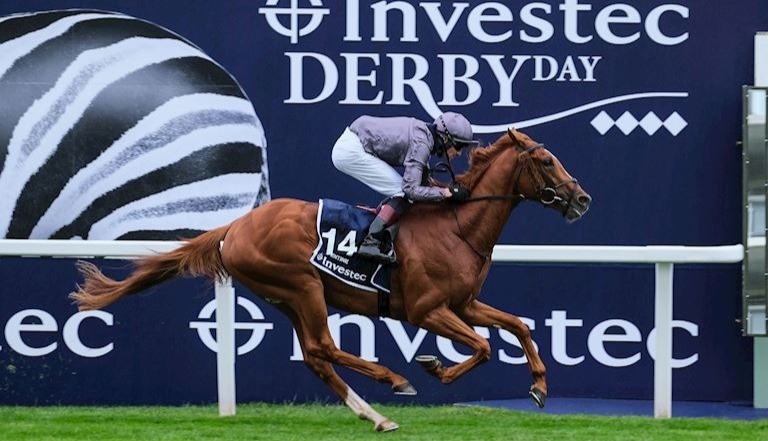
{"x": 429, "y": 362}
{"x": 404, "y": 389}
{"x": 387, "y": 426}
{"x": 538, "y": 396}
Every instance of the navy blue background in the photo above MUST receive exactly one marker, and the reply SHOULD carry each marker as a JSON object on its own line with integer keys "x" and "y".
{"x": 659, "y": 189}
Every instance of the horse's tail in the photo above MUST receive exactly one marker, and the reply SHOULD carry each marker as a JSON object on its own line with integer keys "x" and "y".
{"x": 197, "y": 257}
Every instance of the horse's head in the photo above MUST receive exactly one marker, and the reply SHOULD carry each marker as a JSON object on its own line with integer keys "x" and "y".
{"x": 541, "y": 177}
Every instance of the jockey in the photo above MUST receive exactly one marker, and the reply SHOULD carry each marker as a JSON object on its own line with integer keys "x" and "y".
{"x": 370, "y": 147}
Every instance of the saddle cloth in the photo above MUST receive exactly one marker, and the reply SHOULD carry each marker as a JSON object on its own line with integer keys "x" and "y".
{"x": 341, "y": 228}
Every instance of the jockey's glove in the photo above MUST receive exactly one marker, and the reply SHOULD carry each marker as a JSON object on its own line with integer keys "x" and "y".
{"x": 459, "y": 193}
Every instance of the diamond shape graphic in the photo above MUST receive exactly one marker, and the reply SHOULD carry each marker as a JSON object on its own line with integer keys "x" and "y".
{"x": 602, "y": 122}
{"x": 675, "y": 124}
{"x": 626, "y": 123}
{"x": 650, "y": 123}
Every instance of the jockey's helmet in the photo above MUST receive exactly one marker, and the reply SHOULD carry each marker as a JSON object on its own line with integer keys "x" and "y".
{"x": 456, "y": 128}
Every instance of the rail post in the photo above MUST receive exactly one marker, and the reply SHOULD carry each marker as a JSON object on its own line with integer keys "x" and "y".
{"x": 662, "y": 367}
{"x": 226, "y": 351}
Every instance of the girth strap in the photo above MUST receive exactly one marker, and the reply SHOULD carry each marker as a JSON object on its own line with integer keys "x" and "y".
{"x": 383, "y": 304}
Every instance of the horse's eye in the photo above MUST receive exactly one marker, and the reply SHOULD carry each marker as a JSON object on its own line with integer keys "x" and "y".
{"x": 548, "y": 162}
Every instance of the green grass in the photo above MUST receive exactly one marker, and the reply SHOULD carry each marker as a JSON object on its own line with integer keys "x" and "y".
{"x": 325, "y": 422}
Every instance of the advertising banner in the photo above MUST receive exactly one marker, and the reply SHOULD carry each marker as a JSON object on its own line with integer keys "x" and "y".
{"x": 139, "y": 120}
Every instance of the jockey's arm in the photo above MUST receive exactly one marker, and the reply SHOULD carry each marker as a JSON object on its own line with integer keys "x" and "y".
{"x": 415, "y": 166}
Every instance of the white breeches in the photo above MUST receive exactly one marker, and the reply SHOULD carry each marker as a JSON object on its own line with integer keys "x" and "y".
{"x": 349, "y": 157}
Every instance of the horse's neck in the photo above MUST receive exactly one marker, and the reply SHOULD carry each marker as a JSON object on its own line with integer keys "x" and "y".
{"x": 482, "y": 222}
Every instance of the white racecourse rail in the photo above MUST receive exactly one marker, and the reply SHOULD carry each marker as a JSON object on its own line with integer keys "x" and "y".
{"x": 664, "y": 257}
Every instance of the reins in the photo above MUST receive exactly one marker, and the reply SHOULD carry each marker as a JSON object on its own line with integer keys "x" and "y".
{"x": 545, "y": 194}
{"x": 486, "y": 257}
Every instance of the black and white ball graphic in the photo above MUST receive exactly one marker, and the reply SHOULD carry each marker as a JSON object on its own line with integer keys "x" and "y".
{"x": 112, "y": 127}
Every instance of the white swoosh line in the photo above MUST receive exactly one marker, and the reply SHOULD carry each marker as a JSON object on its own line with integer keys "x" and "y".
{"x": 120, "y": 222}
{"x": 41, "y": 129}
{"x": 575, "y": 110}
{"x": 71, "y": 203}
{"x": 434, "y": 111}
{"x": 18, "y": 47}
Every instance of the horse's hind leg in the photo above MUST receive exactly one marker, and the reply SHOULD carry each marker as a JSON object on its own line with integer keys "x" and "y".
{"x": 480, "y": 314}
{"x": 321, "y": 345}
{"x": 324, "y": 370}
{"x": 318, "y": 342}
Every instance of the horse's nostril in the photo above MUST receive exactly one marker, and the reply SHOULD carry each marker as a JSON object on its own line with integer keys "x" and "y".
{"x": 584, "y": 200}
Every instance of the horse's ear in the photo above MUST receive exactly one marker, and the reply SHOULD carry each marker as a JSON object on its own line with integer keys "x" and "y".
{"x": 511, "y": 132}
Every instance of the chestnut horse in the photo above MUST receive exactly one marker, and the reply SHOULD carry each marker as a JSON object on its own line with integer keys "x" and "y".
{"x": 444, "y": 256}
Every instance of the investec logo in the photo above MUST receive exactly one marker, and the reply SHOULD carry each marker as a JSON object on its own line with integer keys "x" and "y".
{"x": 205, "y": 325}
{"x": 393, "y": 78}
{"x": 612, "y": 342}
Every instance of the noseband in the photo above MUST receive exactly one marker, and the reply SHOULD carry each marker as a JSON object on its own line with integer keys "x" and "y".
{"x": 545, "y": 194}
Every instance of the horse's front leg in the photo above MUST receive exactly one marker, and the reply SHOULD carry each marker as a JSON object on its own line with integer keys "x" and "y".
{"x": 444, "y": 322}
{"x": 480, "y": 314}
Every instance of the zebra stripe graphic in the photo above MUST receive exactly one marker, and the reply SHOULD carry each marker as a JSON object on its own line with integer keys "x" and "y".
{"x": 18, "y": 47}
{"x": 182, "y": 126}
{"x": 175, "y": 209}
{"x": 137, "y": 120}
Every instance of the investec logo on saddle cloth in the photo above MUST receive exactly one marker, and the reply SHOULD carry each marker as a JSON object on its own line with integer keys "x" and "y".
{"x": 341, "y": 227}
{"x": 503, "y": 76}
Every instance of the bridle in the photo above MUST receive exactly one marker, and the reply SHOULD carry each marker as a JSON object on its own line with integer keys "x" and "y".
{"x": 545, "y": 193}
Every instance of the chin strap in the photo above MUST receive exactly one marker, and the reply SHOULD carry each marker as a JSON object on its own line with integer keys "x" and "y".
{"x": 441, "y": 149}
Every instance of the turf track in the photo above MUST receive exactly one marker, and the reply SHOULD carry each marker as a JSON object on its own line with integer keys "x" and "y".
{"x": 326, "y": 422}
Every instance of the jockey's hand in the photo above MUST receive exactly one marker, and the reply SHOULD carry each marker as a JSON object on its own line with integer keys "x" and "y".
{"x": 459, "y": 193}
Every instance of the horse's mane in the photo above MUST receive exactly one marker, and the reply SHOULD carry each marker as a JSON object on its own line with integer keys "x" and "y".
{"x": 479, "y": 157}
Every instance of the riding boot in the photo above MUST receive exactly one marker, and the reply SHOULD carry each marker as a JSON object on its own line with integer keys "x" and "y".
{"x": 378, "y": 242}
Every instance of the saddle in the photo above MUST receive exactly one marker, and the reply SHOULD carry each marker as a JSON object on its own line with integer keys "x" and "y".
{"x": 341, "y": 228}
